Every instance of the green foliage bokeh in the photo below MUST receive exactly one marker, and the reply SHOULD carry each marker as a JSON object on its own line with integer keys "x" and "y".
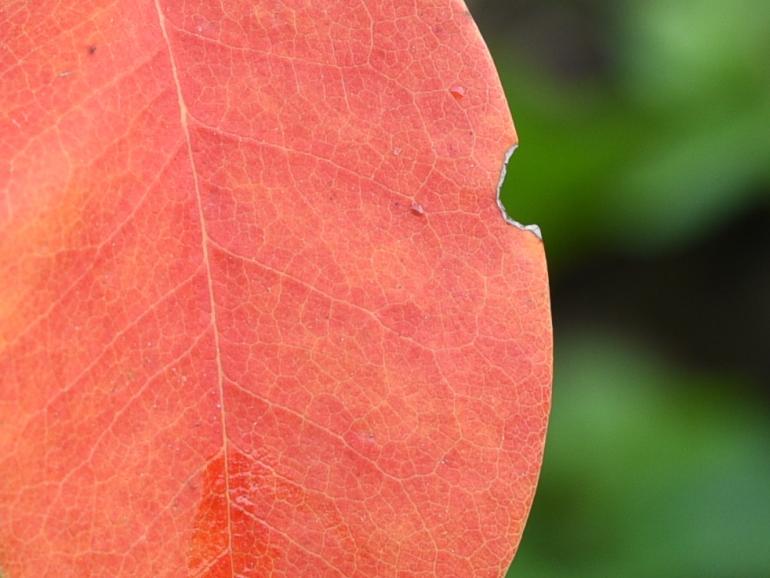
{"x": 652, "y": 148}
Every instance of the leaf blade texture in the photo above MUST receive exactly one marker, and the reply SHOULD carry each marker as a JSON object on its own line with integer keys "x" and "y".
{"x": 260, "y": 313}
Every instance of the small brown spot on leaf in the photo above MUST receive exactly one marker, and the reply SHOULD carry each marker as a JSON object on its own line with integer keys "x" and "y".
{"x": 457, "y": 91}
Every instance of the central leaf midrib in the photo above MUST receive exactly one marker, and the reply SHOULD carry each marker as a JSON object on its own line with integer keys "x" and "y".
{"x": 183, "y": 117}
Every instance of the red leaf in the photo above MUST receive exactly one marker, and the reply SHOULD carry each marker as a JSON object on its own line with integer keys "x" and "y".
{"x": 260, "y": 315}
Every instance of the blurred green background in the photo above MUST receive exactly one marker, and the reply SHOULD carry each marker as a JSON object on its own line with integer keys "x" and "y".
{"x": 645, "y": 158}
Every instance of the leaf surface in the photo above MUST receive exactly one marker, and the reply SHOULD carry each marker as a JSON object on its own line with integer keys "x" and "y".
{"x": 259, "y": 312}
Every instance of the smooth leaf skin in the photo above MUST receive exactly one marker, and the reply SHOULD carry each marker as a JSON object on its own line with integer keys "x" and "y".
{"x": 260, "y": 314}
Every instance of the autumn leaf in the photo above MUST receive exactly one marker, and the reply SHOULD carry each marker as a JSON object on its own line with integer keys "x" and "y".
{"x": 260, "y": 314}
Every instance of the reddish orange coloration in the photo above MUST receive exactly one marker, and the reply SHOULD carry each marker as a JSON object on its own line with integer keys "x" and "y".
{"x": 259, "y": 313}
